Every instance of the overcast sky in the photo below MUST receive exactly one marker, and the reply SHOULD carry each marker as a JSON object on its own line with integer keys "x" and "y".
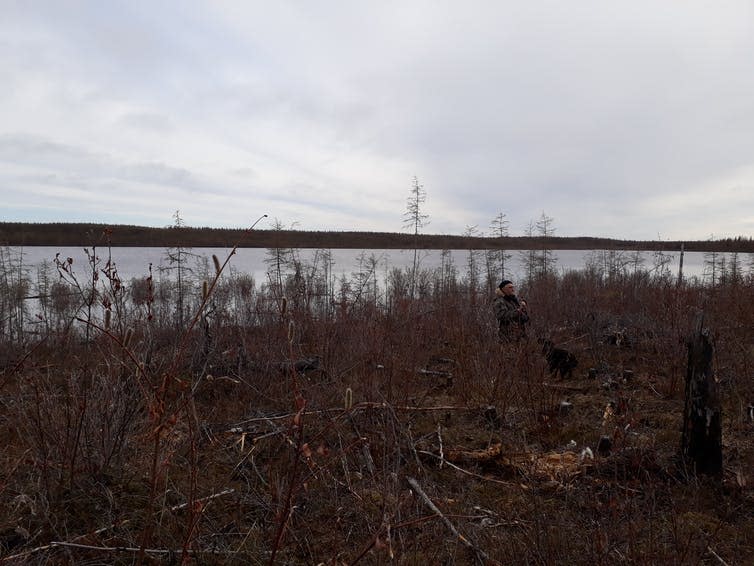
{"x": 625, "y": 119}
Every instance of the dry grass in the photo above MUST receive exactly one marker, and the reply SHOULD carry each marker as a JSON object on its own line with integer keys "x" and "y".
{"x": 212, "y": 445}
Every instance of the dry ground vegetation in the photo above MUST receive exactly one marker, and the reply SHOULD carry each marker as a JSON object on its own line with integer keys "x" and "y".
{"x": 300, "y": 422}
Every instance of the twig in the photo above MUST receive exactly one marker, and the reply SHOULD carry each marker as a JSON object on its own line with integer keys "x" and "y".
{"x": 655, "y": 390}
{"x": 467, "y": 472}
{"x": 140, "y": 369}
{"x": 439, "y": 439}
{"x": 203, "y": 499}
{"x": 364, "y": 446}
{"x": 17, "y": 366}
{"x": 286, "y": 512}
{"x": 481, "y": 555}
{"x": 183, "y": 343}
{"x": 564, "y": 387}
{"x": 134, "y": 549}
{"x": 13, "y": 469}
{"x": 716, "y": 555}
{"x": 365, "y": 405}
{"x": 572, "y": 339}
{"x": 109, "y": 527}
{"x": 370, "y": 544}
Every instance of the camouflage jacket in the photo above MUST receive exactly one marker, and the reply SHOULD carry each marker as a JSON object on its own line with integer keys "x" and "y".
{"x": 511, "y": 316}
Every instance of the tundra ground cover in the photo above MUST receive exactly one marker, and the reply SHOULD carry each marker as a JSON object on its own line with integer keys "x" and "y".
{"x": 218, "y": 421}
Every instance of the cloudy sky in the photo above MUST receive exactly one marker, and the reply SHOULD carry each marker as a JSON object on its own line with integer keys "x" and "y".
{"x": 625, "y": 119}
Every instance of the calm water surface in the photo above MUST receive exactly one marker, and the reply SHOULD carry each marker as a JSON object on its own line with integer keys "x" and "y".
{"x": 135, "y": 261}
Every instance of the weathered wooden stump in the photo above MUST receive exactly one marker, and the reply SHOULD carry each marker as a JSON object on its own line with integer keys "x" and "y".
{"x": 701, "y": 442}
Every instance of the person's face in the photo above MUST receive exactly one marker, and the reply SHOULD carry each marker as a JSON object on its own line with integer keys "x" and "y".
{"x": 508, "y": 289}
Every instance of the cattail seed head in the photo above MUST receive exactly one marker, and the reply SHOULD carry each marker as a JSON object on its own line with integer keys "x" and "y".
{"x": 108, "y": 315}
{"x": 217, "y": 264}
{"x": 283, "y": 306}
{"x": 205, "y": 290}
{"x": 127, "y": 337}
{"x": 348, "y": 401}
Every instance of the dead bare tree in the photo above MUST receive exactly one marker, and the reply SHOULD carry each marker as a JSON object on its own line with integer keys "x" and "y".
{"x": 701, "y": 443}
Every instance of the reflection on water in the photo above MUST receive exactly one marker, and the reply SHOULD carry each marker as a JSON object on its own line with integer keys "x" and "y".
{"x": 135, "y": 261}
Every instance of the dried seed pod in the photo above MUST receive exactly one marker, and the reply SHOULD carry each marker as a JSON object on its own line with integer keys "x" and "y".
{"x": 217, "y": 264}
{"x": 205, "y": 290}
{"x": 283, "y": 306}
{"x": 108, "y": 316}
{"x": 127, "y": 337}
{"x": 348, "y": 401}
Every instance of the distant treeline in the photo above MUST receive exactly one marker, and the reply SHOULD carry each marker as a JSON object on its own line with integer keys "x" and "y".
{"x": 80, "y": 234}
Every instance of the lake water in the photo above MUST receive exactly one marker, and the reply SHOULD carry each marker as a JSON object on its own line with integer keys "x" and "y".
{"x": 135, "y": 261}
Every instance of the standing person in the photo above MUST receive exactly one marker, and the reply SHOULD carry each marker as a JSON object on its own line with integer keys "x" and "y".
{"x": 510, "y": 311}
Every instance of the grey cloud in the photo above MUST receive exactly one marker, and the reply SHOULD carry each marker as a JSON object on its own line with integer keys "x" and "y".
{"x": 67, "y": 164}
{"x": 160, "y": 174}
{"x": 245, "y": 173}
{"x": 35, "y": 151}
{"x": 148, "y": 122}
{"x": 496, "y": 106}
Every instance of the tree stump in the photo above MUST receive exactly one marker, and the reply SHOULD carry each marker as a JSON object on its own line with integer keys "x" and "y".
{"x": 701, "y": 443}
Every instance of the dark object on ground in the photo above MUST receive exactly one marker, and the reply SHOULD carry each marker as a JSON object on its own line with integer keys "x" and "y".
{"x": 559, "y": 360}
{"x": 303, "y": 365}
{"x": 491, "y": 417}
{"x": 604, "y": 446}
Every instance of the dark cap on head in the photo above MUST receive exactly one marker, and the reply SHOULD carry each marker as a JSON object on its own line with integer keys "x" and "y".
{"x": 505, "y": 282}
